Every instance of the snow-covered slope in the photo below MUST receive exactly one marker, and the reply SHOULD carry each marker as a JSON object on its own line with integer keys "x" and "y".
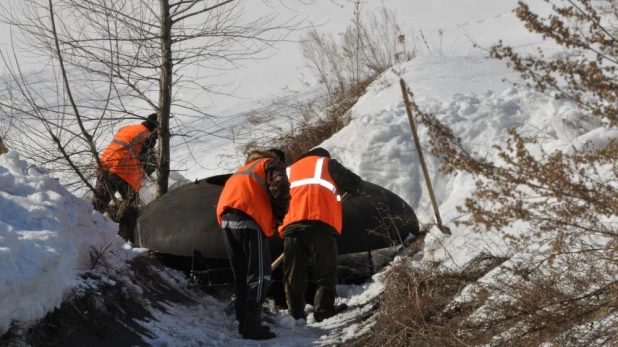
{"x": 47, "y": 228}
{"x": 477, "y": 99}
{"x": 45, "y": 238}
{"x": 46, "y": 233}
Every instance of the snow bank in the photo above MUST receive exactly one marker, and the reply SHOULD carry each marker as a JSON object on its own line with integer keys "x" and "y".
{"x": 45, "y": 238}
{"x": 476, "y": 98}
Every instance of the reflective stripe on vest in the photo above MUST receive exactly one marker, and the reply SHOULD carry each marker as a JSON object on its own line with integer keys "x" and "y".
{"x": 134, "y": 141}
{"x": 121, "y": 156}
{"x": 314, "y": 194}
{"x": 316, "y": 179}
{"x": 247, "y": 191}
{"x": 249, "y": 172}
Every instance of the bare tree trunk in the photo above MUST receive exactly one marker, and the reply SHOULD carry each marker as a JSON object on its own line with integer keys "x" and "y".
{"x": 165, "y": 99}
{"x": 2, "y": 147}
{"x": 125, "y": 46}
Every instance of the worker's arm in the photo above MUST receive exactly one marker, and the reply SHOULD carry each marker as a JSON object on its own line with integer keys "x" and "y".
{"x": 279, "y": 189}
{"x": 148, "y": 154}
{"x": 346, "y": 180}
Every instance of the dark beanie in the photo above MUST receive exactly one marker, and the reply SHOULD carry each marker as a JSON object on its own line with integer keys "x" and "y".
{"x": 318, "y": 152}
{"x": 151, "y": 122}
{"x": 279, "y": 153}
{"x": 152, "y": 119}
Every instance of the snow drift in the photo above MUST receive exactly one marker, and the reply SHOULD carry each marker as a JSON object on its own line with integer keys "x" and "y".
{"x": 45, "y": 238}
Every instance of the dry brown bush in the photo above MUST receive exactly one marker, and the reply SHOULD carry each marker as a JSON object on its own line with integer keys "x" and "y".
{"x": 308, "y": 122}
{"x": 368, "y": 47}
{"x": 315, "y": 126}
{"x": 529, "y": 301}
{"x": 568, "y": 198}
{"x": 416, "y": 307}
{"x": 532, "y": 303}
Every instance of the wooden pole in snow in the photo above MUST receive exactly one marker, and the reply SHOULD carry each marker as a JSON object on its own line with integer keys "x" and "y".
{"x": 434, "y": 204}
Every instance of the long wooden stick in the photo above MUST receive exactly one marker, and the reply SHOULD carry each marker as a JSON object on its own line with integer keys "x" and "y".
{"x": 434, "y": 204}
{"x": 277, "y": 262}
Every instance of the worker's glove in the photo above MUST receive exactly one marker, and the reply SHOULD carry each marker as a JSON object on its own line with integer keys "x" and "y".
{"x": 150, "y": 162}
{"x": 359, "y": 189}
{"x": 149, "y": 169}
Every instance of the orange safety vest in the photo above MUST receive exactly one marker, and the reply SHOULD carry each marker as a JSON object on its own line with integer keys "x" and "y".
{"x": 246, "y": 190}
{"x": 121, "y": 156}
{"x": 314, "y": 194}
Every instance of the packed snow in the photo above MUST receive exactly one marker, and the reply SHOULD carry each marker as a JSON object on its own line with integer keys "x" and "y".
{"x": 47, "y": 234}
{"x": 45, "y": 238}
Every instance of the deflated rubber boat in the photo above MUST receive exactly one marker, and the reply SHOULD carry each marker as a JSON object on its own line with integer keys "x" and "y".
{"x": 183, "y": 222}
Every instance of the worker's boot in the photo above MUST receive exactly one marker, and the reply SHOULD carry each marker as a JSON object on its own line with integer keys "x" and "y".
{"x": 324, "y": 304}
{"x": 252, "y": 328}
{"x": 240, "y": 317}
{"x": 241, "y": 327}
{"x": 296, "y": 306}
{"x": 128, "y": 221}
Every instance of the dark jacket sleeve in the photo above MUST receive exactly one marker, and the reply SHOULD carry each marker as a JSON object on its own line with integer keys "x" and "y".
{"x": 149, "y": 143}
{"x": 346, "y": 180}
{"x": 148, "y": 156}
{"x": 279, "y": 189}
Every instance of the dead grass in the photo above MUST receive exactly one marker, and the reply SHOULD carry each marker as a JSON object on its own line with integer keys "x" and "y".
{"x": 308, "y": 122}
{"x": 416, "y": 307}
{"x": 344, "y": 69}
{"x": 572, "y": 304}
{"x": 526, "y": 303}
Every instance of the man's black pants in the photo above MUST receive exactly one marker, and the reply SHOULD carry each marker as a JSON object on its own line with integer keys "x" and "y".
{"x": 249, "y": 254}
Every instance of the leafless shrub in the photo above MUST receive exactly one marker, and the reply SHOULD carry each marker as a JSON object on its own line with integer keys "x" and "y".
{"x": 306, "y": 124}
{"x": 315, "y": 128}
{"x": 253, "y": 118}
{"x": 566, "y": 197}
{"x": 343, "y": 70}
{"x": 416, "y": 306}
{"x": 97, "y": 255}
{"x": 369, "y": 46}
{"x": 524, "y": 302}
{"x": 531, "y": 303}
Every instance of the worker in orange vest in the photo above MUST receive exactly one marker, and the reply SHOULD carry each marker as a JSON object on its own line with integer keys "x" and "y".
{"x": 252, "y": 204}
{"x": 310, "y": 229}
{"x": 123, "y": 164}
